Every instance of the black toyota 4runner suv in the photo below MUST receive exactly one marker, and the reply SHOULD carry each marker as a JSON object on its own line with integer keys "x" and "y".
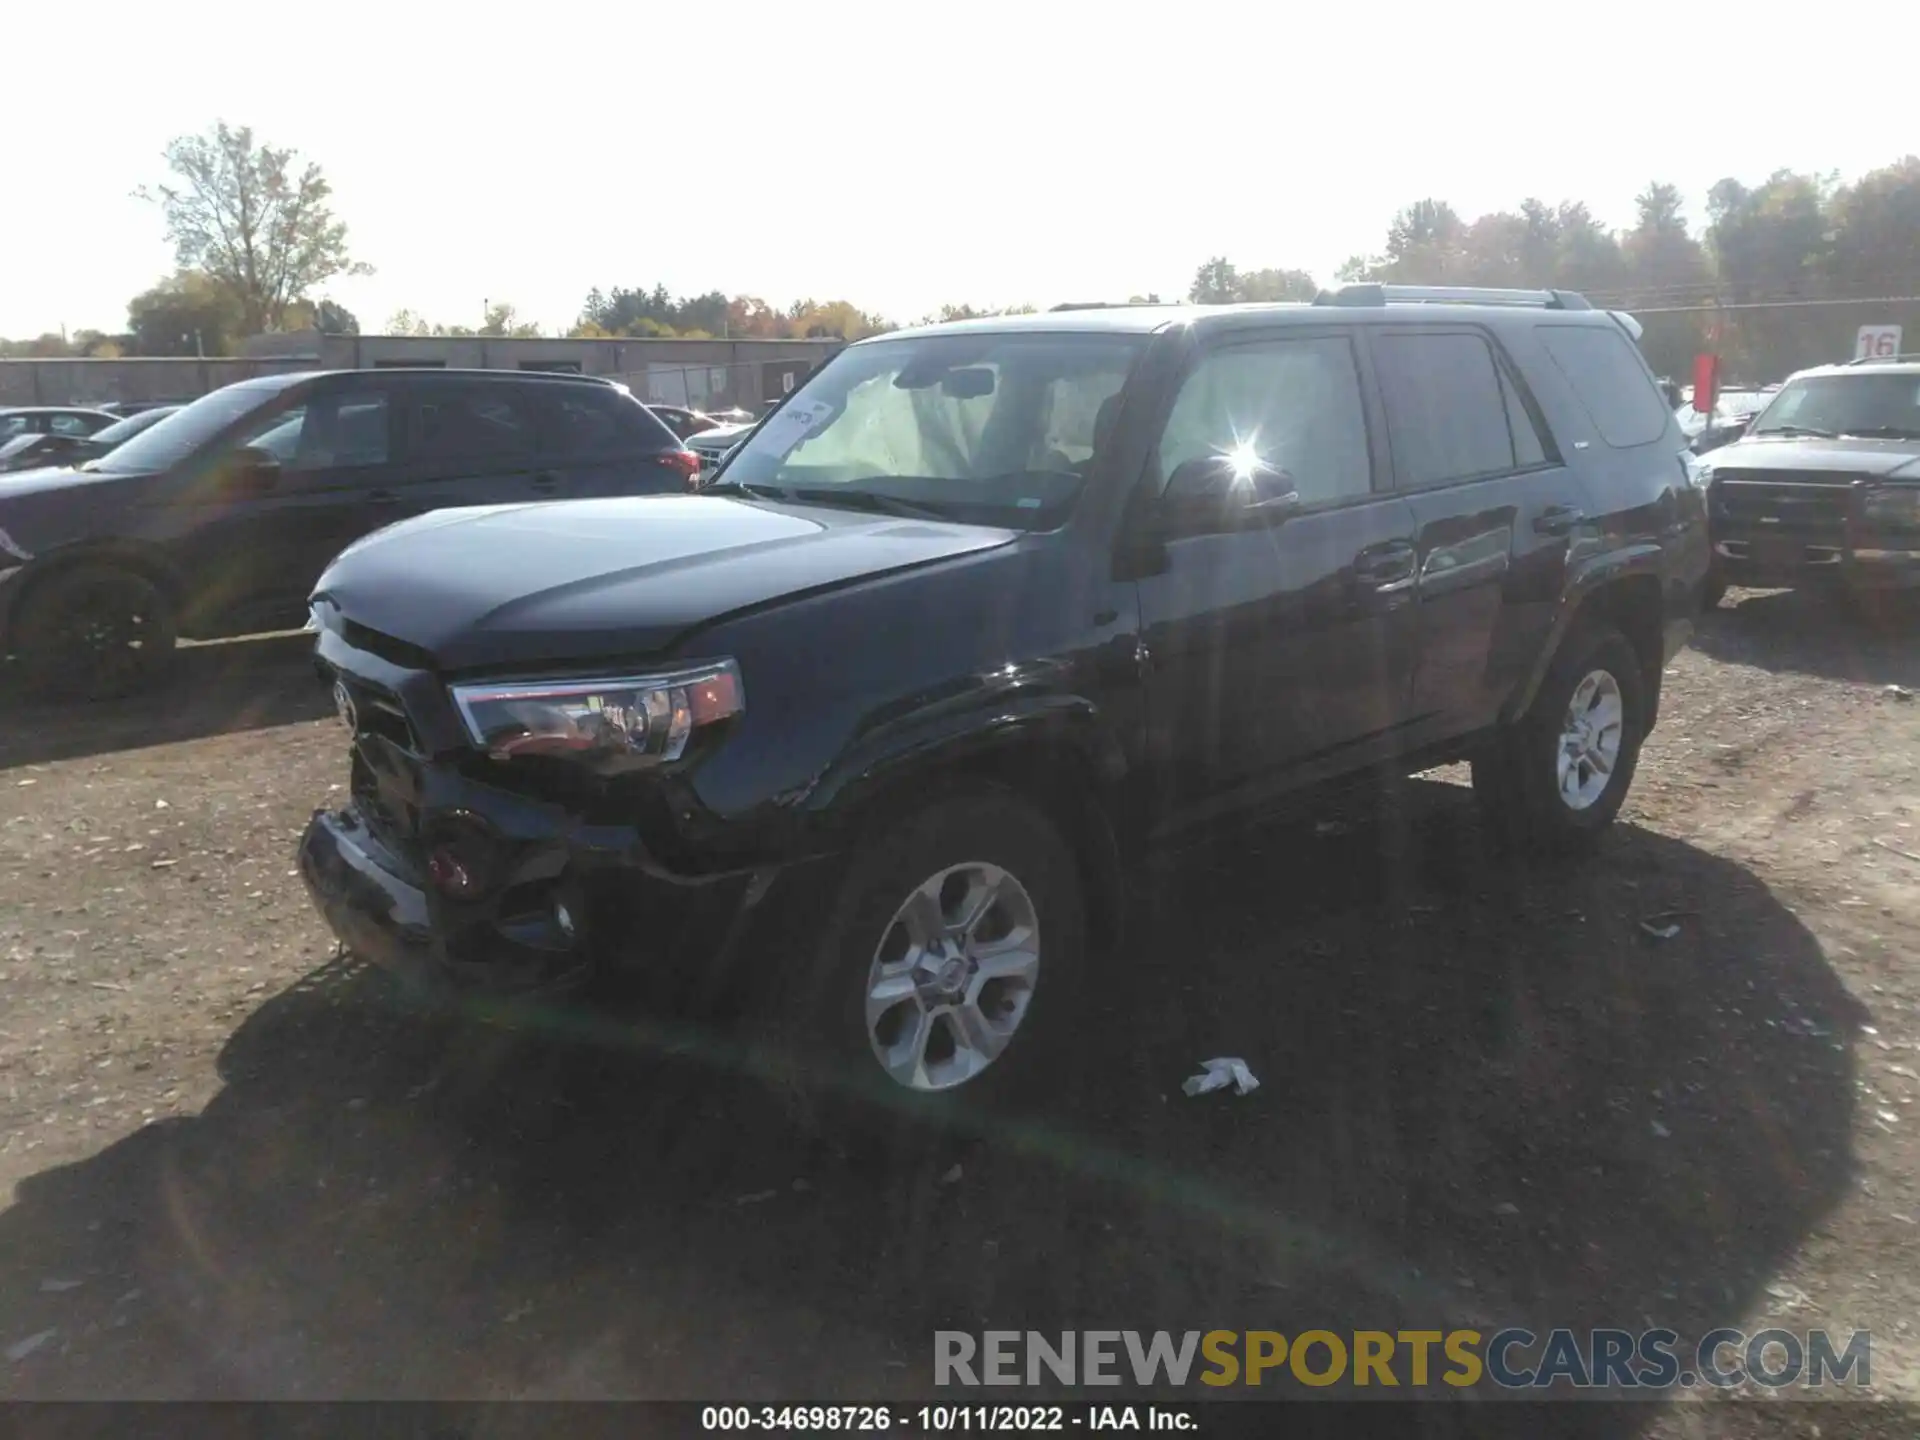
{"x": 217, "y": 520}
{"x": 868, "y": 730}
{"x": 1823, "y": 489}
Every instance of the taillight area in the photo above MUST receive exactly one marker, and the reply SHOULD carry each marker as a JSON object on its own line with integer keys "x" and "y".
{"x": 685, "y": 464}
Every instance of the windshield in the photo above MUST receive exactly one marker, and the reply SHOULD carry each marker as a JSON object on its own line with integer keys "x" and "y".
{"x": 169, "y": 441}
{"x": 122, "y": 431}
{"x": 1863, "y": 404}
{"x": 997, "y": 429}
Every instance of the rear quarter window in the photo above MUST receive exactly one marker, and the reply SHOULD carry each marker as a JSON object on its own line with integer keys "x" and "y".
{"x": 597, "y": 421}
{"x": 1610, "y": 380}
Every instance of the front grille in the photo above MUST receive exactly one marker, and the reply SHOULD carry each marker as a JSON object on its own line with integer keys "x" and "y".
{"x": 393, "y": 822}
{"x": 1805, "y": 503}
{"x": 379, "y": 712}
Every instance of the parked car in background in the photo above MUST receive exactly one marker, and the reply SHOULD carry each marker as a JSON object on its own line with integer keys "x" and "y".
{"x": 712, "y": 446}
{"x": 984, "y": 612}
{"x": 53, "y": 447}
{"x": 683, "y": 422}
{"x": 18, "y": 420}
{"x": 216, "y": 519}
{"x": 124, "y": 408}
{"x": 1823, "y": 488}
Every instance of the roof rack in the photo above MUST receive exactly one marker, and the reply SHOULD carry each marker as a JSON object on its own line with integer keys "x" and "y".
{"x": 1101, "y": 305}
{"x": 1450, "y": 295}
{"x": 1884, "y": 360}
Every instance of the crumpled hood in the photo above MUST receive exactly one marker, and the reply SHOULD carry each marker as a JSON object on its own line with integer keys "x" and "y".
{"x": 1841, "y": 455}
{"x": 527, "y": 585}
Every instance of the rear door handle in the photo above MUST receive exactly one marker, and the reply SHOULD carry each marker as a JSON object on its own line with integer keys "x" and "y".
{"x": 1557, "y": 520}
{"x": 383, "y": 497}
{"x": 546, "y": 483}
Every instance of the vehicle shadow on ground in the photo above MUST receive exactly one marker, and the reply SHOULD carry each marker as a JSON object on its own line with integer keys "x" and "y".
{"x": 215, "y": 689}
{"x": 1793, "y": 630}
{"x": 1487, "y": 1097}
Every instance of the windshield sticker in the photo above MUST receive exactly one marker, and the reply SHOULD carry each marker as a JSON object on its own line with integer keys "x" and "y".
{"x": 792, "y": 425}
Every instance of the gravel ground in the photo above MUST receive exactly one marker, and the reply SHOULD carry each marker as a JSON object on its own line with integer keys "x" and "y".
{"x": 240, "y": 1167}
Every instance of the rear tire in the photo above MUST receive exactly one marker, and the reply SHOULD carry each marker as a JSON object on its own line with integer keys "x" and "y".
{"x": 943, "y": 981}
{"x": 96, "y": 632}
{"x": 1556, "y": 779}
{"x": 1713, "y": 591}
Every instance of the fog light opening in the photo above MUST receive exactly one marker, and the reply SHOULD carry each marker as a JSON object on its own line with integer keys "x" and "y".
{"x": 563, "y": 917}
{"x": 450, "y": 874}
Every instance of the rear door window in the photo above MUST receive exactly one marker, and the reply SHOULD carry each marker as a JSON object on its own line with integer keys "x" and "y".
{"x": 1447, "y": 407}
{"x": 1611, "y": 381}
{"x": 472, "y": 422}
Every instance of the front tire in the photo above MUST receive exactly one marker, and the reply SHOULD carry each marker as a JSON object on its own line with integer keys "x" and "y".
{"x": 944, "y": 975}
{"x": 1558, "y": 778}
{"x": 1713, "y": 591}
{"x": 96, "y": 632}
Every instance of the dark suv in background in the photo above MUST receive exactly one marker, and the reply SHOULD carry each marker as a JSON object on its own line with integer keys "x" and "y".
{"x": 216, "y": 520}
{"x": 1822, "y": 489}
{"x": 981, "y": 614}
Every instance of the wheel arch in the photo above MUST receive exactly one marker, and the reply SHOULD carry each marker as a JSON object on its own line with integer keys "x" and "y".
{"x": 143, "y": 560}
{"x": 1626, "y": 591}
{"x": 1056, "y": 756}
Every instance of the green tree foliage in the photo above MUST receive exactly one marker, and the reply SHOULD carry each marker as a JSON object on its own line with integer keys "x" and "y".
{"x": 187, "y": 314}
{"x": 1219, "y": 282}
{"x": 253, "y": 219}
{"x": 655, "y": 312}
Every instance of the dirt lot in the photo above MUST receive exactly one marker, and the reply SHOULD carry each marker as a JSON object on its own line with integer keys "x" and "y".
{"x": 239, "y": 1167}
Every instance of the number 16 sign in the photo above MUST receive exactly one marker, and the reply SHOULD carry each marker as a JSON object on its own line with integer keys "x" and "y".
{"x": 1877, "y": 342}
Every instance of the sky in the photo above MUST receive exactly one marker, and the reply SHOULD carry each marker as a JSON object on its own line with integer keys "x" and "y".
{"x": 897, "y": 155}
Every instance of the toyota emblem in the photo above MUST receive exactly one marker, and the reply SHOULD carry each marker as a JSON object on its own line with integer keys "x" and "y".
{"x": 343, "y": 703}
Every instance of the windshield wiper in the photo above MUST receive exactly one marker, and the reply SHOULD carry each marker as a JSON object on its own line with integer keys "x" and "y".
{"x": 863, "y": 500}
{"x": 740, "y": 487}
{"x": 1796, "y": 430}
{"x": 1881, "y": 432}
{"x": 839, "y": 495}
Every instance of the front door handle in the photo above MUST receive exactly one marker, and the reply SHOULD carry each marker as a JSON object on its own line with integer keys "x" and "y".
{"x": 383, "y": 497}
{"x": 1387, "y": 568}
{"x": 1557, "y": 520}
{"x": 545, "y": 483}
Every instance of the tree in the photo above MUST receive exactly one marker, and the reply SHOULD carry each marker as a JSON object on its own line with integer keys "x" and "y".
{"x": 1215, "y": 283}
{"x": 500, "y": 321}
{"x": 187, "y": 314}
{"x": 333, "y": 318}
{"x": 243, "y": 214}
{"x": 1278, "y": 285}
{"x": 1218, "y": 282}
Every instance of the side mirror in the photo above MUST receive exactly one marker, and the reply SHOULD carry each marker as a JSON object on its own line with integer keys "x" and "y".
{"x": 1220, "y": 489}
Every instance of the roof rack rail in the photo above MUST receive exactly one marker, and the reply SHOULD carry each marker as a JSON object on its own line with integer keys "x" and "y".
{"x": 1883, "y": 360}
{"x": 1371, "y": 294}
{"x": 1100, "y": 305}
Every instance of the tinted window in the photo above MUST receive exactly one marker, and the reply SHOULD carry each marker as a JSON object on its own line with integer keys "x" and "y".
{"x": 1294, "y": 403}
{"x": 595, "y": 421}
{"x": 471, "y": 423}
{"x": 336, "y": 431}
{"x": 1446, "y": 415}
{"x": 11, "y": 425}
{"x": 70, "y": 424}
{"x": 1528, "y": 448}
{"x": 1611, "y": 381}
